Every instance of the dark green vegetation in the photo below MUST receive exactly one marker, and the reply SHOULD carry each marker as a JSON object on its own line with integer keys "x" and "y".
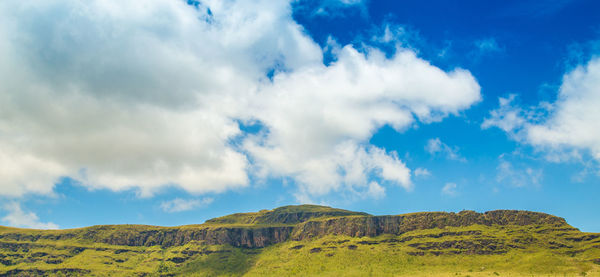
{"x": 312, "y": 240}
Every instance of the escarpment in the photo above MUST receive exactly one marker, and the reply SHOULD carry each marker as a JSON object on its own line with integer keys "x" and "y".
{"x": 293, "y": 237}
{"x": 357, "y": 226}
{"x": 267, "y": 227}
{"x": 235, "y": 236}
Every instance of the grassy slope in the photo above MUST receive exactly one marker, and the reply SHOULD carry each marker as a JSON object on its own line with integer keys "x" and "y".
{"x": 286, "y": 215}
{"x": 381, "y": 256}
{"x": 474, "y": 250}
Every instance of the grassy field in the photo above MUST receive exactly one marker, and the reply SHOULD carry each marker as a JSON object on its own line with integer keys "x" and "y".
{"x": 471, "y": 250}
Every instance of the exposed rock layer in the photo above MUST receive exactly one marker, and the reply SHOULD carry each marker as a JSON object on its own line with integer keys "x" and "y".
{"x": 378, "y": 225}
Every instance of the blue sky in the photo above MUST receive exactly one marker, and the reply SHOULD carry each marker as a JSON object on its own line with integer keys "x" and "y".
{"x": 171, "y": 112}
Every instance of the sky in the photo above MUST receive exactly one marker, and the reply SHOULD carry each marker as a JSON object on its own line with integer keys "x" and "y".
{"x": 172, "y": 112}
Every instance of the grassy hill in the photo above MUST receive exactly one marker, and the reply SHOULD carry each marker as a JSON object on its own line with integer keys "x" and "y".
{"x": 312, "y": 240}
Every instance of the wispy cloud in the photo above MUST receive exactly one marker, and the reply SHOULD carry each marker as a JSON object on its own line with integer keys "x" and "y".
{"x": 17, "y": 217}
{"x": 450, "y": 189}
{"x": 518, "y": 177}
{"x": 422, "y": 172}
{"x": 436, "y": 146}
{"x": 182, "y": 205}
{"x": 488, "y": 45}
{"x": 485, "y": 47}
{"x": 332, "y": 8}
{"x": 508, "y": 116}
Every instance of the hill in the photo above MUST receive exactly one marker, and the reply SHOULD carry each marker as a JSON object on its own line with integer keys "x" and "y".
{"x": 312, "y": 240}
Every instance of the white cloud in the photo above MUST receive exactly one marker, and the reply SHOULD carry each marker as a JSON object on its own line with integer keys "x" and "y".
{"x": 518, "y": 177}
{"x": 351, "y": 2}
{"x": 575, "y": 120}
{"x": 565, "y": 127}
{"x": 435, "y": 146}
{"x": 391, "y": 33}
{"x": 507, "y": 117}
{"x": 132, "y": 94}
{"x": 487, "y": 45}
{"x": 181, "y": 205}
{"x": 320, "y": 117}
{"x": 450, "y": 189}
{"x": 422, "y": 172}
{"x": 16, "y": 217}
{"x": 142, "y": 95}
{"x": 376, "y": 191}
{"x": 332, "y": 8}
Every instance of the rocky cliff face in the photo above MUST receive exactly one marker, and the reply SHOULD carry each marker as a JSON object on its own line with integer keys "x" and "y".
{"x": 236, "y": 236}
{"x": 397, "y": 225}
{"x": 256, "y": 230}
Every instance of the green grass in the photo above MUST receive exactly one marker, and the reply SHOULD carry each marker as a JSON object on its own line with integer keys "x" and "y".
{"x": 472, "y": 250}
{"x": 389, "y": 259}
{"x": 283, "y": 215}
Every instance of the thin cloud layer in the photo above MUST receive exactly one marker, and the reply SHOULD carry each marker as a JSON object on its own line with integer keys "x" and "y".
{"x": 182, "y": 205}
{"x": 149, "y": 94}
{"x": 450, "y": 189}
{"x": 436, "y": 146}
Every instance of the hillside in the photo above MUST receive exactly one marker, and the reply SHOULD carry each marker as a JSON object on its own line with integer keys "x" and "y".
{"x": 312, "y": 240}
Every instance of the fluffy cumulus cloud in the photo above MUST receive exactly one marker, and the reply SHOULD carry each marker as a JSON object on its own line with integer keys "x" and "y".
{"x": 17, "y": 217}
{"x": 134, "y": 95}
{"x": 142, "y": 95}
{"x": 569, "y": 125}
{"x": 575, "y": 119}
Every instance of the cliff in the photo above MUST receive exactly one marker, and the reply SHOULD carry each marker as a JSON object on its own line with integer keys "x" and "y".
{"x": 377, "y": 225}
{"x": 267, "y": 227}
{"x": 312, "y": 240}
